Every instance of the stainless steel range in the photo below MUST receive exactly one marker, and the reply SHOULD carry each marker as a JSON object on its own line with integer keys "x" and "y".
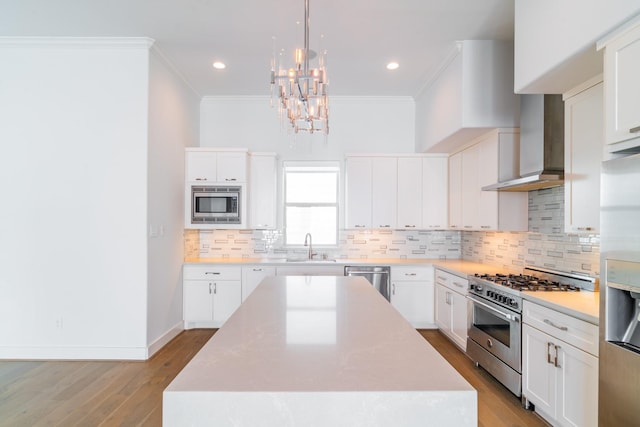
{"x": 495, "y": 306}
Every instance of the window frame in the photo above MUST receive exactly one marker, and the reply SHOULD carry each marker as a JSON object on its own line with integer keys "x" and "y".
{"x": 287, "y": 166}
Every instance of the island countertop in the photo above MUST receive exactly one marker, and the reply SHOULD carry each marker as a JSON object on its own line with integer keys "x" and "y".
{"x": 315, "y": 351}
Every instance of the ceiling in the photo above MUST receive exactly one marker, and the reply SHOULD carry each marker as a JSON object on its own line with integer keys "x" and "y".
{"x": 360, "y": 36}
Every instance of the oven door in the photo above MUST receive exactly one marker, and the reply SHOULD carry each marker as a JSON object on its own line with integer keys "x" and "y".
{"x": 496, "y": 329}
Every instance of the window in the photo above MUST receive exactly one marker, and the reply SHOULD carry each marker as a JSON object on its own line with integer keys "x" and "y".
{"x": 311, "y": 202}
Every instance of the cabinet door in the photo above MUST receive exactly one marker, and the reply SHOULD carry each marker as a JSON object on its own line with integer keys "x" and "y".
{"x": 538, "y": 376}
{"x": 200, "y": 166}
{"x": 409, "y": 192}
{"x": 443, "y": 308}
{"x": 487, "y": 174}
{"x": 459, "y": 318}
{"x": 262, "y": 192}
{"x": 435, "y": 191}
{"x": 227, "y": 297}
{"x": 197, "y": 299}
{"x": 621, "y": 71}
{"x": 577, "y": 387}
{"x": 384, "y": 200}
{"x": 232, "y": 167}
{"x": 414, "y": 300}
{"x": 455, "y": 191}
{"x": 252, "y": 276}
{"x": 583, "y": 147}
{"x": 358, "y": 192}
{"x": 470, "y": 187}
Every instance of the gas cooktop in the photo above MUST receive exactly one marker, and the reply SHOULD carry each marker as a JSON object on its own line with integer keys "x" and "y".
{"x": 527, "y": 282}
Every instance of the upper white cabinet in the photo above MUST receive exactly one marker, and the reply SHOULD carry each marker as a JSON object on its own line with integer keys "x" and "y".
{"x": 410, "y": 186}
{"x": 215, "y": 165}
{"x": 434, "y": 192}
{"x": 455, "y": 191}
{"x": 384, "y": 188}
{"x": 358, "y": 192}
{"x": 371, "y": 192}
{"x": 583, "y": 148}
{"x": 472, "y": 93}
{"x": 400, "y": 192}
{"x": 492, "y": 158}
{"x": 622, "y": 89}
{"x": 262, "y": 190}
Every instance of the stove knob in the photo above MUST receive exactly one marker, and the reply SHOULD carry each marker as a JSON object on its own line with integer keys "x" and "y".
{"x": 490, "y": 294}
{"x": 502, "y": 298}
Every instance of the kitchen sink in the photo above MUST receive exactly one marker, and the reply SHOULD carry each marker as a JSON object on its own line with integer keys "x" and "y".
{"x": 315, "y": 261}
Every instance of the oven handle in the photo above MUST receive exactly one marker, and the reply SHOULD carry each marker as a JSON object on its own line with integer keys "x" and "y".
{"x": 507, "y": 316}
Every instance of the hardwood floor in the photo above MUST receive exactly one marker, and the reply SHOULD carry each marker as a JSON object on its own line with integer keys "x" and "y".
{"x": 98, "y": 393}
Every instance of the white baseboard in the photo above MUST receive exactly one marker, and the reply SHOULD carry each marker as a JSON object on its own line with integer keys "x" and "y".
{"x": 73, "y": 353}
{"x": 164, "y": 339}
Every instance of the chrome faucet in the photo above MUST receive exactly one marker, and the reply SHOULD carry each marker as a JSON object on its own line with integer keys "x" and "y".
{"x": 307, "y": 241}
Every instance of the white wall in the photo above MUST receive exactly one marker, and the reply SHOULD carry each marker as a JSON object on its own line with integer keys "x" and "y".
{"x": 73, "y": 126}
{"x": 357, "y": 125}
{"x": 555, "y": 41}
{"x": 173, "y": 125}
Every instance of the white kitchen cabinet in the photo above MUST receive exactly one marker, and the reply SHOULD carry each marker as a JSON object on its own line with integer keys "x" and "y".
{"x": 358, "y": 192}
{"x": 371, "y": 191}
{"x": 215, "y": 166}
{"x": 435, "y": 192}
{"x": 622, "y": 89}
{"x": 410, "y": 192}
{"x": 412, "y": 294}
{"x": 489, "y": 159}
{"x": 452, "y": 310}
{"x": 455, "y": 191}
{"x": 210, "y": 295}
{"x": 384, "y": 188}
{"x": 583, "y": 149}
{"x": 262, "y": 191}
{"x": 252, "y": 276}
{"x": 559, "y": 378}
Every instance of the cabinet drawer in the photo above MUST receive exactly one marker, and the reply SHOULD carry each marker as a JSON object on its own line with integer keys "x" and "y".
{"x": 576, "y": 332}
{"x": 412, "y": 274}
{"x": 211, "y": 272}
{"x": 451, "y": 281}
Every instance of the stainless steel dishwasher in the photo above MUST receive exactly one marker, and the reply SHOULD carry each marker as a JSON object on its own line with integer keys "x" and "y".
{"x": 377, "y": 276}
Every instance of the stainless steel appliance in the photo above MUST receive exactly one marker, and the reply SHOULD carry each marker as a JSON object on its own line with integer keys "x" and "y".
{"x": 541, "y": 145}
{"x": 216, "y": 204}
{"x": 377, "y": 276}
{"x": 495, "y": 330}
{"x": 619, "y": 353}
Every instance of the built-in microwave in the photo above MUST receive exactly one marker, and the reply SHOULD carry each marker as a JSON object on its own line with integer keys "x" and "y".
{"x": 216, "y": 204}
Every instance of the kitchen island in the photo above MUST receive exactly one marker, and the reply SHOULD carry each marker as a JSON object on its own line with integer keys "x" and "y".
{"x": 318, "y": 351}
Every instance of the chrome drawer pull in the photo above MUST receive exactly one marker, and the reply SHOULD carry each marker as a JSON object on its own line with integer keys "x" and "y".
{"x": 550, "y": 323}
{"x": 213, "y": 272}
{"x": 635, "y": 129}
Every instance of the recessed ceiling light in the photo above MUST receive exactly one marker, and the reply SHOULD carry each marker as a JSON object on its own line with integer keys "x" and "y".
{"x": 392, "y": 65}
{"x": 219, "y": 65}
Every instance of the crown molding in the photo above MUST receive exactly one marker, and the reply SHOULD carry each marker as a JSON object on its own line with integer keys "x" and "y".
{"x": 79, "y": 42}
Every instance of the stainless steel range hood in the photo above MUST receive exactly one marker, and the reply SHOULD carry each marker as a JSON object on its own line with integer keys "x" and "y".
{"x": 541, "y": 145}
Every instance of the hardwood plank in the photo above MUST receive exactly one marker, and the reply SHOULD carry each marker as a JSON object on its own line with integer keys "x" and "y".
{"x": 94, "y": 393}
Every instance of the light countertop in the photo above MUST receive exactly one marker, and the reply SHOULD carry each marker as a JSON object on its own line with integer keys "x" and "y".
{"x": 318, "y": 350}
{"x": 582, "y": 305}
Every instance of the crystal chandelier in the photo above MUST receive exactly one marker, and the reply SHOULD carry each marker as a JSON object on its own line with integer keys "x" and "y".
{"x": 301, "y": 92}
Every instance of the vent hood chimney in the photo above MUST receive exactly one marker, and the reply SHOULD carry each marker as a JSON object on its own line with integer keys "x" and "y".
{"x": 541, "y": 145}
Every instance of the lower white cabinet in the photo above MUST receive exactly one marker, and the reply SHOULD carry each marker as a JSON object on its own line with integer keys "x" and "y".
{"x": 560, "y": 379}
{"x": 311, "y": 270}
{"x": 210, "y": 295}
{"x": 252, "y": 276}
{"x": 412, "y": 294}
{"x": 452, "y": 311}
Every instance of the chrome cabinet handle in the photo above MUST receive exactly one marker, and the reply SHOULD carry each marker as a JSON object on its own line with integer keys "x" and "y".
{"x": 442, "y": 278}
{"x": 409, "y": 274}
{"x": 409, "y": 226}
{"x": 549, "y": 353}
{"x": 216, "y": 273}
{"x": 215, "y": 288}
{"x": 635, "y": 129}
{"x": 359, "y": 226}
{"x": 209, "y": 288}
{"x": 201, "y": 179}
{"x": 394, "y": 289}
{"x": 460, "y": 285}
{"x": 555, "y": 357}
{"x": 257, "y": 269}
{"x": 468, "y": 226}
{"x": 385, "y": 226}
{"x": 550, "y": 323}
{"x": 230, "y": 179}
